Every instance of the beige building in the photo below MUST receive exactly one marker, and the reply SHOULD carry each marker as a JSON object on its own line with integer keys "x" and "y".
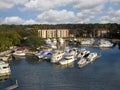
{"x": 102, "y": 32}
{"x": 53, "y": 33}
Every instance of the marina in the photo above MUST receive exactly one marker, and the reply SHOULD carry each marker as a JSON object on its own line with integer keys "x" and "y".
{"x": 33, "y": 74}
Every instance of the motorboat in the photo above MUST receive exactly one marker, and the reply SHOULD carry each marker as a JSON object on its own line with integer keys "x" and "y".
{"x": 4, "y": 68}
{"x": 4, "y": 58}
{"x": 82, "y": 62}
{"x": 92, "y": 56}
{"x": 48, "y": 41}
{"x": 41, "y": 54}
{"x": 103, "y": 43}
{"x": 88, "y": 58}
{"x": 69, "y": 58}
{"x": 88, "y": 42}
{"x": 54, "y": 41}
{"x": 20, "y": 52}
{"x": 61, "y": 40}
{"x": 56, "y": 56}
{"x": 82, "y": 53}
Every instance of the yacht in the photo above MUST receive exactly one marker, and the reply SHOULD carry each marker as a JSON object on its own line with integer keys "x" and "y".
{"x": 54, "y": 41}
{"x": 82, "y": 62}
{"x": 41, "y": 54}
{"x": 88, "y": 58}
{"x": 19, "y": 53}
{"x": 61, "y": 40}
{"x": 88, "y": 42}
{"x": 4, "y": 58}
{"x": 92, "y": 56}
{"x": 48, "y": 41}
{"x": 82, "y": 53}
{"x": 4, "y": 68}
{"x": 104, "y": 43}
{"x": 69, "y": 58}
{"x": 56, "y": 56}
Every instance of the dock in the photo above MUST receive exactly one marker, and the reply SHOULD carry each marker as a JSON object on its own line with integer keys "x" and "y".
{"x": 12, "y": 87}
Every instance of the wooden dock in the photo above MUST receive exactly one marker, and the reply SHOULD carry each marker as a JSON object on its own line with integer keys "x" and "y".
{"x": 12, "y": 87}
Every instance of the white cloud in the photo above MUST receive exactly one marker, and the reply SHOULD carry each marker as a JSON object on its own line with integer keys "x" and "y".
{"x": 41, "y": 5}
{"x": 115, "y": 1}
{"x": 7, "y": 4}
{"x": 54, "y": 16}
{"x": 31, "y": 21}
{"x": 13, "y": 20}
{"x": 89, "y": 5}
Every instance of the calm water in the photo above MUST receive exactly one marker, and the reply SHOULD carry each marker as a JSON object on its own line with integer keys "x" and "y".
{"x": 103, "y": 74}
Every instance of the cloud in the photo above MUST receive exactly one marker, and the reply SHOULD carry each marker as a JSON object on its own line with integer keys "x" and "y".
{"x": 113, "y": 16}
{"x": 31, "y": 21}
{"x": 115, "y": 1}
{"x": 89, "y": 5}
{"x": 54, "y": 16}
{"x": 41, "y": 5}
{"x": 13, "y": 20}
{"x": 7, "y": 4}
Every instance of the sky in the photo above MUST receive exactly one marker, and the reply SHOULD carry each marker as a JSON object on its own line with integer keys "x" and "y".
{"x": 27, "y": 12}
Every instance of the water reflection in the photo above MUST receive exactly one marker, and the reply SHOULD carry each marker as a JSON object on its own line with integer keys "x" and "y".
{"x": 32, "y": 60}
{"x": 119, "y": 46}
{"x": 4, "y": 78}
{"x": 57, "y": 66}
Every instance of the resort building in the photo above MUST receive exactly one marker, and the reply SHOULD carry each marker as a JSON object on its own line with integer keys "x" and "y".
{"x": 53, "y": 33}
{"x": 103, "y": 32}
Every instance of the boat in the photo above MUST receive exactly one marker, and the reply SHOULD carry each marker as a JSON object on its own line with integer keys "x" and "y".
{"x": 5, "y": 58}
{"x": 56, "y": 56}
{"x": 61, "y": 40}
{"x": 88, "y": 58}
{"x": 4, "y": 69}
{"x": 48, "y": 41}
{"x": 20, "y": 52}
{"x": 69, "y": 58}
{"x": 82, "y": 62}
{"x": 102, "y": 43}
{"x": 92, "y": 56}
{"x": 54, "y": 41}
{"x": 42, "y": 53}
{"x": 82, "y": 53}
{"x": 88, "y": 42}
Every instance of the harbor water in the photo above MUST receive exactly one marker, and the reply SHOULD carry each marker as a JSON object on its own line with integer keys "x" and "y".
{"x": 102, "y": 74}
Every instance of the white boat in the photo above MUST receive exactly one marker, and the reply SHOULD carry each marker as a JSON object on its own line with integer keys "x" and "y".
{"x": 61, "y": 40}
{"x": 19, "y": 53}
{"x": 73, "y": 51}
{"x": 88, "y": 42}
{"x": 4, "y": 68}
{"x": 82, "y": 53}
{"x": 92, "y": 56}
{"x": 41, "y": 54}
{"x": 82, "y": 62}
{"x": 56, "y": 56}
{"x": 48, "y": 56}
{"x": 67, "y": 59}
{"x": 54, "y": 41}
{"x": 4, "y": 58}
{"x": 104, "y": 43}
{"x": 48, "y": 41}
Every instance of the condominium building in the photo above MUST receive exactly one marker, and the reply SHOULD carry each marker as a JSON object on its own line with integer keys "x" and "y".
{"x": 53, "y": 33}
{"x": 103, "y": 32}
